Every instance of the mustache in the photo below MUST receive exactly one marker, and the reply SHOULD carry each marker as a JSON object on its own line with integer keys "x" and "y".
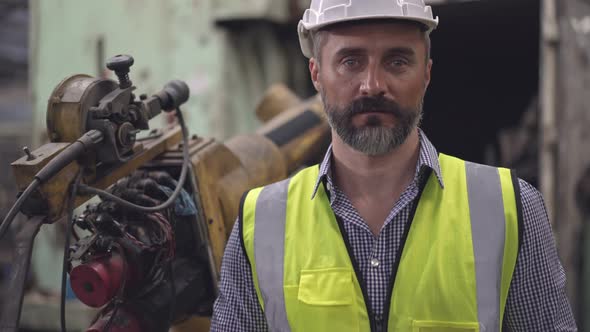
{"x": 374, "y": 104}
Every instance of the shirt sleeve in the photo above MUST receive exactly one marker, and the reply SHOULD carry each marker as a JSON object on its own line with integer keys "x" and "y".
{"x": 537, "y": 298}
{"x": 237, "y": 307}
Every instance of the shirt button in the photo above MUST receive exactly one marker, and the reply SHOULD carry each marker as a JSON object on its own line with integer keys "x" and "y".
{"x": 375, "y": 262}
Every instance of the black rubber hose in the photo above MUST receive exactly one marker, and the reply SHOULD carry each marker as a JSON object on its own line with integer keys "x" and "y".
{"x": 17, "y": 205}
{"x": 69, "y": 154}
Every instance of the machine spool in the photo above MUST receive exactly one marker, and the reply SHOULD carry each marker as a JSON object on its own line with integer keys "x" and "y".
{"x": 68, "y": 105}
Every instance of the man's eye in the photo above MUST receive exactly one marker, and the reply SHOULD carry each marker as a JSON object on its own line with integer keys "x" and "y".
{"x": 398, "y": 62}
{"x": 350, "y": 62}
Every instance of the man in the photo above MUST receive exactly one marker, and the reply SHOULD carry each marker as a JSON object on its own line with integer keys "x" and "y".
{"x": 387, "y": 235}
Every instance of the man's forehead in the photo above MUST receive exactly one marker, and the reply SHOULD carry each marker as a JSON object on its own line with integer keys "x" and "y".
{"x": 374, "y": 25}
{"x": 382, "y": 34}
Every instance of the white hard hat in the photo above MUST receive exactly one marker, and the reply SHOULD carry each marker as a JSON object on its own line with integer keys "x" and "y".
{"x": 325, "y": 12}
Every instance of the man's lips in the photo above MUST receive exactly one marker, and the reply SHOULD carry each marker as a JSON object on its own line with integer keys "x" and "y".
{"x": 374, "y": 112}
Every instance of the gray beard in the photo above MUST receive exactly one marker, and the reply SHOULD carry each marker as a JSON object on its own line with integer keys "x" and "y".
{"x": 373, "y": 139}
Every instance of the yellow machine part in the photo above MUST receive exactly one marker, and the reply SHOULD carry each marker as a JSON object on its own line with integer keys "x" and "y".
{"x": 224, "y": 171}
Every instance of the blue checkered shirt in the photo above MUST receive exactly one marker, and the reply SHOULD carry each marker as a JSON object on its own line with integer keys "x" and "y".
{"x": 536, "y": 300}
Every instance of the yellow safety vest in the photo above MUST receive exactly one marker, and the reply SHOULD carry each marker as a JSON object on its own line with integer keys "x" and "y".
{"x": 455, "y": 267}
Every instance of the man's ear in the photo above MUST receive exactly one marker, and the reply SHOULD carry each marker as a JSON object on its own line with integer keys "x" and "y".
{"x": 314, "y": 70}
{"x": 427, "y": 74}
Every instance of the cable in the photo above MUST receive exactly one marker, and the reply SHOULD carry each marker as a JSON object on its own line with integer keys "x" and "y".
{"x": 69, "y": 154}
{"x": 177, "y": 190}
{"x": 70, "y": 216}
{"x": 17, "y": 205}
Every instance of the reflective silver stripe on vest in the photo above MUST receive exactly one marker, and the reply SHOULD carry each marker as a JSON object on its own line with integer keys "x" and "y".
{"x": 269, "y": 252}
{"x": 488, "y": 224}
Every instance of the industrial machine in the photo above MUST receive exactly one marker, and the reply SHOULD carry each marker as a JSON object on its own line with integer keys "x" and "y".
{"x": 151, "y": 251}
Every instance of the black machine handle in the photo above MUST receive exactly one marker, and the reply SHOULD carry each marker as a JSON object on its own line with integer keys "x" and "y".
{"x": 174, "y": 94}
{"x": 120, "y": 64}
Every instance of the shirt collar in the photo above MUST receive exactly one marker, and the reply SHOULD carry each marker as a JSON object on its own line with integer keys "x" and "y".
{"x": 427, "y": 160}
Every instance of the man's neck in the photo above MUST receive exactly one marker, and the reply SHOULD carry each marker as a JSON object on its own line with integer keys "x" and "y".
{"x": 374, "y": 181}
{"x": 362, "y": 173}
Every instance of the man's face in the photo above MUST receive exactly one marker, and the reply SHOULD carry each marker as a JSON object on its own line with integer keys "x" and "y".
{"x": 372, "y": 78}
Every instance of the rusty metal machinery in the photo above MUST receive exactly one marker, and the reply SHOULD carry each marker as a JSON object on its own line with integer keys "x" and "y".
{"x": 99, "y": 119}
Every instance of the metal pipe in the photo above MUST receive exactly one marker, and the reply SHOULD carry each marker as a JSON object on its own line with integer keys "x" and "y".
{"x": 548, "y": 91}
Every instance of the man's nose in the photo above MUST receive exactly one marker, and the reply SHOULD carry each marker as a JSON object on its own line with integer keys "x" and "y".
{"x": 373, "y": 83}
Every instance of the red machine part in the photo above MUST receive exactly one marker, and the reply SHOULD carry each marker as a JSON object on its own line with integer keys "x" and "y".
{"x": 96, "y": 282}
{"x": 124, "y": 321}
